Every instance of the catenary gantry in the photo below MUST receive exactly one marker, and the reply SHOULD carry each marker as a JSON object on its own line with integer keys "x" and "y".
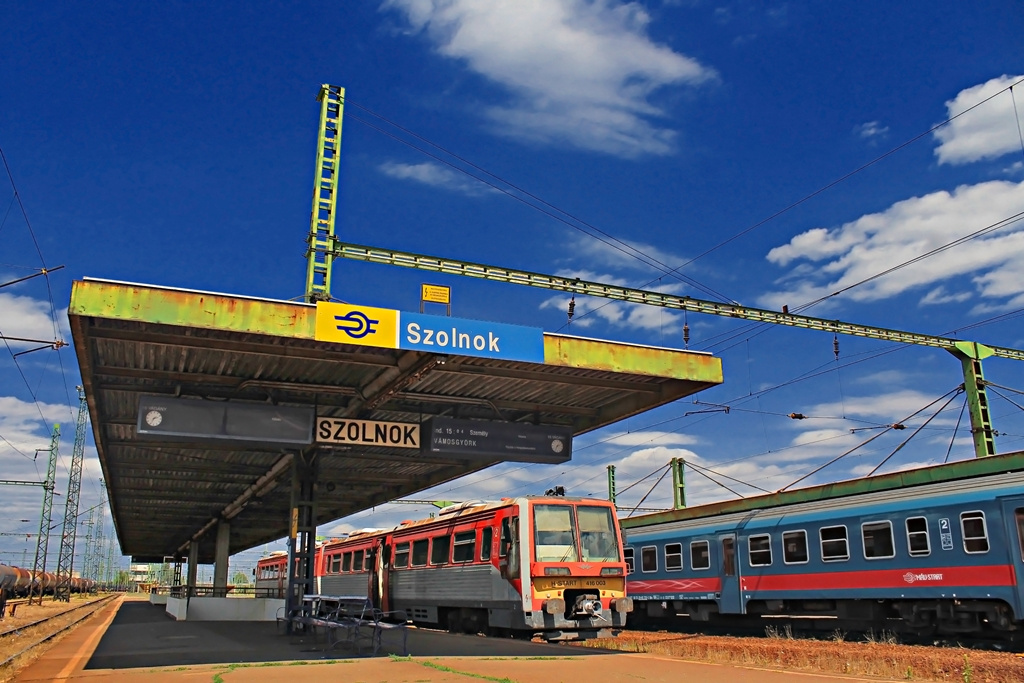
{"x": 137, "y": 340}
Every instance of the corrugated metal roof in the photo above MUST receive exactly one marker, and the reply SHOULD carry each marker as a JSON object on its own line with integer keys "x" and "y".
{"x": 134, "y": 340}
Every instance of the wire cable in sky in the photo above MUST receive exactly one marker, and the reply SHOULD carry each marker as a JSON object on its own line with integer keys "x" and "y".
{"x": 547, "y": 209}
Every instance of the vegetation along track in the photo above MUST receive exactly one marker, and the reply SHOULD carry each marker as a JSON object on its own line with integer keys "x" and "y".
{"x": 22, "y": 640}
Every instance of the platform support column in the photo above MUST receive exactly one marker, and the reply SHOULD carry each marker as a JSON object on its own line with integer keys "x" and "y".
{"x": 611, "y": 483}
{"x": 302, "y": 533}
{"x": 220, "y": 567}
{"x": 193, "y": 569}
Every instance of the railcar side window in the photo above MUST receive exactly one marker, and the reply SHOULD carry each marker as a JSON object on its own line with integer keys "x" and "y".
{"x": 975, "y": 534}
{"x": 877, "y": 537}
{"x": 628, "y": 552}
{"x": 760, "y": 550}
{"x": 441, "y": 549}
{"x": 335, "y": 564}
{"x": 700, "y": 555}
{"x": 465, "y": 546}
{"x": 917, "y": 537}
{"x": 673, "y": 556}
{"x": 402, "y": 554}
{"x": 346, "y": 562}
{"x": 486, "y": 539}
{"x": 834, "y": 547}
{"x": 649, "y": 558}
{"x": 794, "y": 547}
{"x": 419, "y": 552}
{"x": 357, "y": 561}
{"x": 506, "y": 538}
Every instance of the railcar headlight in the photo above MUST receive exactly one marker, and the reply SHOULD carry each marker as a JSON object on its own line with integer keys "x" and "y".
{"x": 611, "y": 571}
{"x": 556, "y": 571}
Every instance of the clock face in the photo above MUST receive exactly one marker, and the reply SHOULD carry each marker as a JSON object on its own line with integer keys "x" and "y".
{"x": 154, "y": 418}
{"x": 557, "y": 445}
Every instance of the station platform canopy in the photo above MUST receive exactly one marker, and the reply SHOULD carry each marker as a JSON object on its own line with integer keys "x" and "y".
{"x": 144, "y": 346}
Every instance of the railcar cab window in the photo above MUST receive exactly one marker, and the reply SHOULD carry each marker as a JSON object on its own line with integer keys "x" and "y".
{"x": 700, "y": 554}
{"x": 674, "y": 557}
{"x": 441, "y": 549}
{"x": 465, "y": 546}
{"x": 598, "y": 540}
{"x": 975, "y": 533}
{"x": 628, "y": 552}
{"x": 419, "y": 552}
{"x": 794, "y": 547}
{"x": 554, "y": 533}
{"x": 346, "y": 562}
{"x": 759, "y": 550}
{"x": 834, "y": 546}
{"x": 486, "y": 539}
{"x": 402, "y": 554}
{"x": 917, "y": 537}
{"x": 877, "y": 537}
{"x": 649, "y": 558}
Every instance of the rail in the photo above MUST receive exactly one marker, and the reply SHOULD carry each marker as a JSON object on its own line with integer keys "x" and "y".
{"x": 23, "y": 628}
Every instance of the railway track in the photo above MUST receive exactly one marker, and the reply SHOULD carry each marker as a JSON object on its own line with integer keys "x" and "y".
{"x": 22, "y": 640}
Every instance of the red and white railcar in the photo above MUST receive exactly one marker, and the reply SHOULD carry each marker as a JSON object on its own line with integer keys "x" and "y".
{"x": 520, "y": 566}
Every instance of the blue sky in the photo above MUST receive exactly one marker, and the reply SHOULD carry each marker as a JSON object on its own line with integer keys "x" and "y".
{"x": 173, "y": 144}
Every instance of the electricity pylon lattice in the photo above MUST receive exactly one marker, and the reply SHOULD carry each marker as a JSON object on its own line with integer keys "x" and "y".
{"x": 43, "y": 538}
{"x": 320, "y": 249}
{"x": 67, "y": 541}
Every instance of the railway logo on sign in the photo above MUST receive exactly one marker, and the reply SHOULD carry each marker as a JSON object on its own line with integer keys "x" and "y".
{"x": 391, "y": 329}
{"x": 333, "y": 430}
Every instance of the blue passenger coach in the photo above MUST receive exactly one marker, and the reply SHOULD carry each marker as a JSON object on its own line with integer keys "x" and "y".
{"x": 933, "y": 550}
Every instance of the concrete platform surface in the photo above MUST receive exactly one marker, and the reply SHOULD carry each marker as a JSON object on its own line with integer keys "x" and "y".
{"x": 135, "y": 641}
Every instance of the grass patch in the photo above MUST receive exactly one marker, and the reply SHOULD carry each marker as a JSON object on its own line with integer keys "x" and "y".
{"x": 449, "y": 670}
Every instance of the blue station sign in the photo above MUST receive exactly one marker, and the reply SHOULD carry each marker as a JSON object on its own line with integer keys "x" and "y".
{"x": 391, "y": 329}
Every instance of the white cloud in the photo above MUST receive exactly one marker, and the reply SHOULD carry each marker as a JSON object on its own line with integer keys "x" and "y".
{"x": 434, "y": 175}
{"x": 29, "y": 318}
{"x": 987, "y": 132}
{"x": 579, "y": 72}
{"x": 875, "y": 242}
{"x": 871, "y": 129}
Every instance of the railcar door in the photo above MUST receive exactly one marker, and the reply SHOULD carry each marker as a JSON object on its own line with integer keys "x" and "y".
{"x": 730, "y": 601}
{"x": 1013, "y": 521}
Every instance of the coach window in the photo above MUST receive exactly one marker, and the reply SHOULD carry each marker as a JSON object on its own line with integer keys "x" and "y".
{"x": 834, "y": 547}
{"x": 700, "y": 555}
{"x": 486, "y": 538}
{"x": 1019, "y": 514}
{"x": 346, "y": 562}
{"x": 794, "y": 547}
{"x": 357, "y": 561}
{"x": 673, "y": 557}
{"x": 975, "y": 533}
{"x": 917, "y": 537}
{"x": 759, "y": 550}
{"x": 877, "y": 538}
{"x": 441, "y": 549}
{"x": 465, "y": 546}
{"x": 419, "y": 552}
{"x": 402, "y": 554}
{"x": 628, "y": 552}
{"x": 649, "y": 558}
{"x": 335, "y": 563}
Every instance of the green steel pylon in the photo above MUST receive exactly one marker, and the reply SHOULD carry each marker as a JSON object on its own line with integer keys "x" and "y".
{"x": 66, "y": 559}
{"x": 320, "y": 242}
{"x": 43, "y": 538}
